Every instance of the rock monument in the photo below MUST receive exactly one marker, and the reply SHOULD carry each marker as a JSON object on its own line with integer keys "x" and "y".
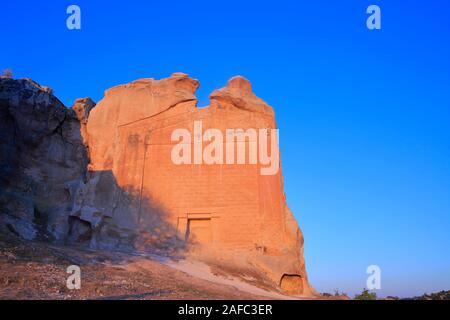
{"x": 104, "y": 175}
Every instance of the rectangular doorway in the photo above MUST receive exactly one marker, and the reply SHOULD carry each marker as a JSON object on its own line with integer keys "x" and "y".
{"x": 198, "y": 230}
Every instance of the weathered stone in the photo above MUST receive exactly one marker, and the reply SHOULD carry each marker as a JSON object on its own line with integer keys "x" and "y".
{"x": 238, "y": 216}
{"x": 82, "y": 107}
{"x": 103, "y": 176}
{"x": 42, "y": 155}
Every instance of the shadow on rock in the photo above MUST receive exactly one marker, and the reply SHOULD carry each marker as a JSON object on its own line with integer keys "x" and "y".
{"x": 106, "y": 216}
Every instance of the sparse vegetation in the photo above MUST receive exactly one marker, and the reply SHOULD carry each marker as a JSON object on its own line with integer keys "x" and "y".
{"x": 7, "y": 73}
{"x": 337, "y": 293}
{"x": 441, "y": 295}
{"x": 366, "y": 295}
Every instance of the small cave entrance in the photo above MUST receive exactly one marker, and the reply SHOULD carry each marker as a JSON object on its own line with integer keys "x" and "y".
{"x": 291, "y": 283}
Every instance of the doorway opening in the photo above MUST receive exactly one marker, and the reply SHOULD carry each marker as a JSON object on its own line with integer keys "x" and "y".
{"x": 199, "y": 231}
{"x": 292, "y": 283}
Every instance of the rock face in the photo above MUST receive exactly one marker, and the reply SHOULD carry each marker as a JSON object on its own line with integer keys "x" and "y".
{"x": 105, "y": 176}
{"x": 42, "y": 160}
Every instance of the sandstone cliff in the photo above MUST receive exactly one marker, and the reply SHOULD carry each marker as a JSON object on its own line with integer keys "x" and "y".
{"x": 102, "y": 176}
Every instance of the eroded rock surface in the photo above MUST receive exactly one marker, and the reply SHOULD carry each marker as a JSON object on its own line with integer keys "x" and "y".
{"x": 103, "y": 176}
{"x": 42, "y": 160}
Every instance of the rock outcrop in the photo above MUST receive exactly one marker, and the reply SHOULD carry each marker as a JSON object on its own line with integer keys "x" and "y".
{"x": 42, "y": 160}
{"x": 104, "y": 176}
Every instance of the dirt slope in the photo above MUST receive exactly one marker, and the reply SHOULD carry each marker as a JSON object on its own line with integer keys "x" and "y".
{"x": 32, "y": 270}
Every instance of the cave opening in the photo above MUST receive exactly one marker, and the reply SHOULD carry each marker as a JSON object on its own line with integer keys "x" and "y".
{"x": 292, "y": 283}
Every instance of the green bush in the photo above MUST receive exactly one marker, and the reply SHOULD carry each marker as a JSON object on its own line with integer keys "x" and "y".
{"x": 366, "y": 295}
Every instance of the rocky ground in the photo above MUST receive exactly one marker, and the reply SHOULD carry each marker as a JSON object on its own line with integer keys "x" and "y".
{"x": 37, "y": 270}
{"x": 34, "y": 270}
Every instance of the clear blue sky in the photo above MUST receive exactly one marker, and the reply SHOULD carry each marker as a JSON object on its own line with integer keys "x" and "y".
{"x": 364, "y": 116}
